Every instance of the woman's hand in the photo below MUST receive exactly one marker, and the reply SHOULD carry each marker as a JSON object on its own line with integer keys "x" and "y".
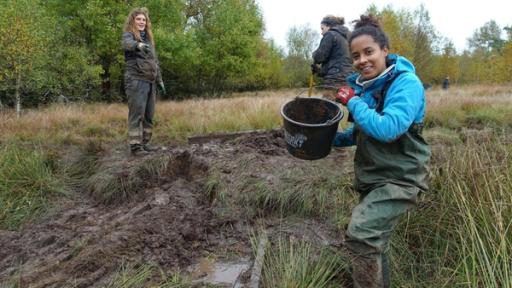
{"x": 345, "y": 93}
{"x": 144, "y": 47}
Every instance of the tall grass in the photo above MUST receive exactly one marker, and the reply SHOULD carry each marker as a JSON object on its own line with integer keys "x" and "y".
{"x": 26, "y": 182}
{"x": 470, "y": 107}
{"x": 479, "y": 180}
{"x": 77, "y": 123}
{"x": 460, "y": 234}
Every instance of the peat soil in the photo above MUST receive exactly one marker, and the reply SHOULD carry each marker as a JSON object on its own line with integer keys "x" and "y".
{"x": 178, "y": 211}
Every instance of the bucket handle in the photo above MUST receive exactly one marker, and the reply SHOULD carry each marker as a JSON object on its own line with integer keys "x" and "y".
{"x": 334, "y": 119}
{"x": 329, "y": 122}
{"x": 317, "y": 86}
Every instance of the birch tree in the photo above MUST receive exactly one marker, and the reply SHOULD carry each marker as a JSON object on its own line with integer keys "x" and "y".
{"x": 22, "y": 45}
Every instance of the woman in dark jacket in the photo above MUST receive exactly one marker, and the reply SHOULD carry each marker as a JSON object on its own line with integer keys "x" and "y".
{"x": 142, "y": 72}
{"x": 331, "y": 60}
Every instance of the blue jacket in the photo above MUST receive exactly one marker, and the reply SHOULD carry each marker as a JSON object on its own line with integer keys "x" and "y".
{"x": 404, "y": 103}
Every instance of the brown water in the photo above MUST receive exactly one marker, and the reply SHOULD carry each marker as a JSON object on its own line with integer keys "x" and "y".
{"x": 219, "y": 273}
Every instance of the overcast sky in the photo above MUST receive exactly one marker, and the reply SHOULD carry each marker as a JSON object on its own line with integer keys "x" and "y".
{"x": 455, "y": 20}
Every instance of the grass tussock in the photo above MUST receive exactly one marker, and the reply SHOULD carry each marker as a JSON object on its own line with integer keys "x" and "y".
{"x": 27, "y": 181}
{"x": 304, "y": 192}
{"x": 113, "y": 184}
{"x": 304, "y": 200}
{"x": 480, "y": 180}
{"x": 291, "y": 264}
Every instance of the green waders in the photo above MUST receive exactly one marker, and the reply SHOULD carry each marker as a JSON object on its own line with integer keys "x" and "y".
{"x": 141, "y": 109}
{"x": 390, "y": 177}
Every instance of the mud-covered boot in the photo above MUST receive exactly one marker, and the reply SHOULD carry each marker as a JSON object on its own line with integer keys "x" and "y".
{"x": 149, "y": 148}
{"x": 370, "y": 271}
{"x": 138, "y": 150}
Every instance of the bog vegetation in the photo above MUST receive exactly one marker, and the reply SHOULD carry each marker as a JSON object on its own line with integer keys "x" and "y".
{"x": 458, "y": 236}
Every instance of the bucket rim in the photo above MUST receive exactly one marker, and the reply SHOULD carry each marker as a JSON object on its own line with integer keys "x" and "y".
{"x": 335, "y": 119}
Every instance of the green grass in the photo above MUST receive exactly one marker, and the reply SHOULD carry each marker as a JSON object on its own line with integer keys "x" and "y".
{"x": 130, "y": 276}
{"x": 304, "y": 193}
{"x": 290, "y": 264}
{"x": 480, "y": 180}
{"x": 470, "y": 116}
{"x": 27, "y": 181}
{"x": 461, "y": 232}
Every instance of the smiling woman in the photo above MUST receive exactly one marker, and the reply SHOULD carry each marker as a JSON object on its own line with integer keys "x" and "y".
{"x": 369, "y": 58}
{"x": 391, "y": 158}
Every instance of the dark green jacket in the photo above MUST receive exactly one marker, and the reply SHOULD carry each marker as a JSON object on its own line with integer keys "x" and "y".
{"x": 139, "y": 64}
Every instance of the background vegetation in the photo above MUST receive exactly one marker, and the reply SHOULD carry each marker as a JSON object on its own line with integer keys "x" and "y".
{"x": 70, "y": 50}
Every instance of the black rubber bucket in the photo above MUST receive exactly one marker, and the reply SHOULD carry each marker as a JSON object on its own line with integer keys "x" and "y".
{"x": 310, "y": 125}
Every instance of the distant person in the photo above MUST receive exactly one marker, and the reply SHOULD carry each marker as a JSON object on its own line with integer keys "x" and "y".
{"x": 446, "y": 83}
{"x": 331, "y": 60}
{"x": 387, "y": 103}
{"x": 141, "y": 78}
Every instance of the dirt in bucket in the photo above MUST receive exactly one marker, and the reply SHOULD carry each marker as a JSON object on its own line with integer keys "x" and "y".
{"x": 311, "y": 110}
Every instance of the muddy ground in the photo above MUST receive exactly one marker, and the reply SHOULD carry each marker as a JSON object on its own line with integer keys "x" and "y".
{"x": 177, "y": 210}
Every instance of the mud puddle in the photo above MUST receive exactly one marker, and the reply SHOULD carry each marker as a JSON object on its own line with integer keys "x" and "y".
{"x": 226, "y": 274}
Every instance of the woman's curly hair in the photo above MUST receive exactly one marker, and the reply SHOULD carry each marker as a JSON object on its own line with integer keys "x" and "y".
{"x": 370, "y": 25}
{"x": 130, "y": 26}
{"x": 331, "y": 20}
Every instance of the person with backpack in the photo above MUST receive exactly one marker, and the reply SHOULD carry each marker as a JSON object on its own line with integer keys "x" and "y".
{"x": 331, "y": 60}
{"x": 386, "y": 102}
{"x": 141, "y": 78}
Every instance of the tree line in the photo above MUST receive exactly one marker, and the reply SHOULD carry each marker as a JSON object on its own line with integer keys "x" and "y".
{"x": 70, "y": 50}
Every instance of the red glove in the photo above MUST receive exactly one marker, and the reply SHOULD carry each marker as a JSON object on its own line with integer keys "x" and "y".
{"x": 344, "y": 94}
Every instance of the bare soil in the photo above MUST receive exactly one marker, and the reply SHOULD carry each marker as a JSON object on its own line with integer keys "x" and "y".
{"x": 171, "y": 219}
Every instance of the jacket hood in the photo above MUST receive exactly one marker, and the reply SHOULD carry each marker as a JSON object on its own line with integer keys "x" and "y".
{"x": 401, "y": 64}
{"x": 342, "y": 30}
